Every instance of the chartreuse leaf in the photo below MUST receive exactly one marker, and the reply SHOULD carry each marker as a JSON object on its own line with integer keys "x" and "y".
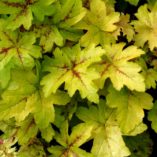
{"x": 140, "y": 128}
{"x": 110, "y": 5}
{"x": 70, "y": 143}
{"x": 130, "y": 105}
{"x": 14, "y": 98}
{"x": 62, "y": 10}
{"x": 5, "y": 75}
{"x": 16, "y": 49}
{"x": 150, "y": 78}
{"x": 117, "y": 66}
{"x": 49, "y": 35}
{"x": 150, "y": 74}
{"x": 108, "y": 141}
{"x": 8, "y": 128}
{"x": 20, "y": 87}
{"x": 140, "y": 145}
{"x": 21, "y": 12}
{"x": 145, "y": 26}
{"x": 47, "y": 133}
{"x": 99, "y": 24}
{"x": 71, "y": 65}
{"x": 44, "y": 110}
{"x": 22, "y": 98}
{"x": 152, "y": 116}
{"x": 27, "y": 130}
{"x": 124, "y": 26}
{"x": 68, "y": 13}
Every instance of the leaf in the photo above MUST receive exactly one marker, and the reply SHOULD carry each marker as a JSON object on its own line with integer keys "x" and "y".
{"x": 129, "y": 106}
{"x": 71, "y": 34}
{"x": 150, "y": 74}
{"x": 62, "y": 137}
{"x": 56, "y": 150}
{"x": 152, "y": 117}
{"x": 70, "y": 143}
{"x": 13, "y": 98}
{"x": 32, "y": 150}
{"x": 44, "y": 112}
{"x": 49, "y": 36}
{"x": 5, "y": 75}
{"x": 21, "y": 12}
{"x": 124, "y": 26}
{"x": 81, "y": 152}
{"x": 137, "y": 130}
{"x": 80, "y": 134}
{"x": 108, "y": 140}
{"x": 18, "y": 48}
{"x": 94, "y": 114}
{"x": 150, "y": 78}
{"x": 151, "y": 2}
{"x": 41, "y": 8}
{"x": 110, "y": 5}
{"x": 27, "y": 130}
{"x": 145, "y": 26}
{"x": 68, "y": 13}
{"x": 109, "y": 143}
{"x": 20, "y": 87}
{"x": 71, "y": 66}
{"x": 47, "y": 133}
{"x": 72, "y": 17}
{"x": 117, "y": 66}
{"x": 133, "y": 2}
{"x": 140, "y": 145}
{"x": 22, "y": 98}
{"x": 98, "y": 24}
{"x": 59, "y": 117}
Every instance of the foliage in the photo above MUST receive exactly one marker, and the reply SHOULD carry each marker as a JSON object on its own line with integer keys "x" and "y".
{"x": 74, "y": 72}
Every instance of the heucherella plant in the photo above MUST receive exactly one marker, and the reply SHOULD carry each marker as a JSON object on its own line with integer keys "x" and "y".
{"x": 76, "y": 78}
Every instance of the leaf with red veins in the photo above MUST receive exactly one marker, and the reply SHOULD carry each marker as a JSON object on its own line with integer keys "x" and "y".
{"x": 16, "y": 49}
{"x": 118, "y": 65}
{"x": 21, "y": 13}
{"x": 19, "y": 48}
{"x": 71, "y": 66}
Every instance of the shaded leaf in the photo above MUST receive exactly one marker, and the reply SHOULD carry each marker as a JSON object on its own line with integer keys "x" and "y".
{"x": 152, "y": 116}
{"x": 133, "y": 2}
{"x": 140, "y": 145}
